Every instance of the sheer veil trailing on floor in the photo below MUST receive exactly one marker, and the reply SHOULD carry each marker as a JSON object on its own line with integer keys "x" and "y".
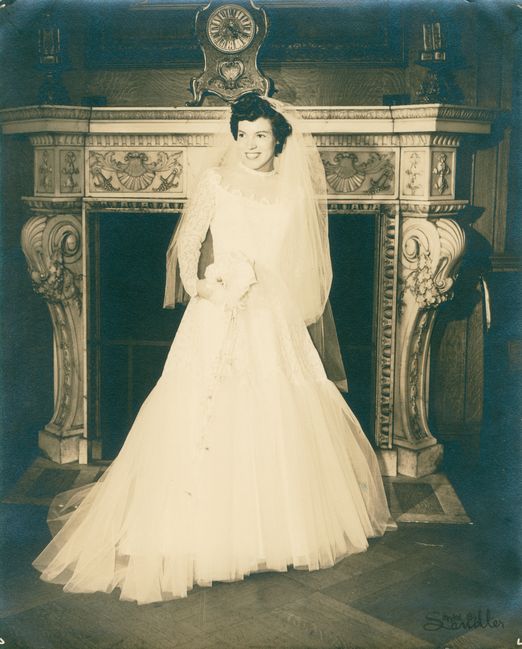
{"x": 244, "y": 456}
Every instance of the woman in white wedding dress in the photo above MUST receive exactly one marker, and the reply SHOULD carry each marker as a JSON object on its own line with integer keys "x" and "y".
{"x": 245, "y": 456}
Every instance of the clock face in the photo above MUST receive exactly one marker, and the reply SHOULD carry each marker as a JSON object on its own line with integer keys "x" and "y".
{"x": 230, "y": 28}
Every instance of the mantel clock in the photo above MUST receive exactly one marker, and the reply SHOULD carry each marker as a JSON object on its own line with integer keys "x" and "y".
{"x": 230, "y": 35}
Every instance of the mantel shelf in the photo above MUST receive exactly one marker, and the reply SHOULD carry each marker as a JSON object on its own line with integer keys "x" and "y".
{"x": 421, "y": 118}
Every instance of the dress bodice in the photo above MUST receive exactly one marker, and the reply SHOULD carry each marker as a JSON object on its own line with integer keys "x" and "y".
{"x": 239, "y": 223}
{"x": 245, "y": 224}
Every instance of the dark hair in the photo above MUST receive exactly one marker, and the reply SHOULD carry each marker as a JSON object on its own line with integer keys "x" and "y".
{"x": 250, "y": 107}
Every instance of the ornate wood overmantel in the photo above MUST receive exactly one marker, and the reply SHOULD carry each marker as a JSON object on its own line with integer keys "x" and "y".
{"x": 404, "y": 164}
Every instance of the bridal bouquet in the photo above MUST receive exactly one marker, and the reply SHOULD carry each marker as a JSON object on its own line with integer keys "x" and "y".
{"x": 234, "y": 275}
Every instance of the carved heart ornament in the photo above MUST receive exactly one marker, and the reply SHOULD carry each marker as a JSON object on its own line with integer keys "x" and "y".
{"x": 231, "y": 70}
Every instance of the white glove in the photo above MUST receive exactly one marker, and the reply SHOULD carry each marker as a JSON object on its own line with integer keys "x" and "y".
{"x": 233, "y": 276}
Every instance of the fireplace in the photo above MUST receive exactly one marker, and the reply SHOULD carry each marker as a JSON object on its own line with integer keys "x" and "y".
{"x": 395, "y": 175}
{"x": 129, "y": 333}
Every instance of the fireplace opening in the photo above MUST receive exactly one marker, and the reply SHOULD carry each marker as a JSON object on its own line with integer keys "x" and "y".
{"x": 129, "y": 332}
{"x": 352, "y": 246}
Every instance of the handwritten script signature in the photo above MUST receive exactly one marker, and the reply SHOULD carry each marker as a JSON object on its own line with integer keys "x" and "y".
{"x": 435, "y": 620}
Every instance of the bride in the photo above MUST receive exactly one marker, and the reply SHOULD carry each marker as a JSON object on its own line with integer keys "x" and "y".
{"x": 244, "y": 457}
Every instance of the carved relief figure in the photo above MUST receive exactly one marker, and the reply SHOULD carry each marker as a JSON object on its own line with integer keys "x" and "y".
{"x": 441, "y": 173}
{"x": 45, "y": 171}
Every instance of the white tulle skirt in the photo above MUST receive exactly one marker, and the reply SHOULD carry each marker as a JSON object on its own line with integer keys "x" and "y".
{"x": 244, "y": 457}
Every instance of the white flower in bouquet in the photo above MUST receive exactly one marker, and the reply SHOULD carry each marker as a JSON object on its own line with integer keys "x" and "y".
{"x": 234, "y": 275}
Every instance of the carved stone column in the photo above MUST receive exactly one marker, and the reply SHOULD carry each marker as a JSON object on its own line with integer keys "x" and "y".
{"x": 51, "y": 242}
{"x": 431, "y": 248}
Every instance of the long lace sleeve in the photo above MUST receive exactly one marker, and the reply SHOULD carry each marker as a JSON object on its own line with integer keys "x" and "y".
{"x": 197, "y": 219}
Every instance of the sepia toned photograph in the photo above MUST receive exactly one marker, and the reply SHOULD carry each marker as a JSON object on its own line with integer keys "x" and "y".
{"x": 261, "y": 353}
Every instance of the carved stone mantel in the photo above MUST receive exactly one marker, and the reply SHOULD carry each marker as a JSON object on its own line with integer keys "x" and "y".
{"x": 398, "y": 163}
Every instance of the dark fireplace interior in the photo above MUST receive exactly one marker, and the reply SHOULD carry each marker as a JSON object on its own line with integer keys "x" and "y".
{"x": 353, "y": 246}
{"x": 129, "y": 333}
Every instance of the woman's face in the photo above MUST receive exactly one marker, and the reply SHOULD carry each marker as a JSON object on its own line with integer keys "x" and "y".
{"x": 256, "y": 144}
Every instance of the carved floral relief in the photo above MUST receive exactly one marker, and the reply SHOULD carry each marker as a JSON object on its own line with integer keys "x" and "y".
{"x": 70, "y": 171}
{"x": 56, "y": 283}
{"x": 53, "y": 249}
{"x": 136, "y": 171}
{"x": 431, "y": 252}
{"x": 413, "y": 180}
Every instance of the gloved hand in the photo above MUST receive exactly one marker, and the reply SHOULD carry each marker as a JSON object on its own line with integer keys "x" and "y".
{"x": 228, "y": 280}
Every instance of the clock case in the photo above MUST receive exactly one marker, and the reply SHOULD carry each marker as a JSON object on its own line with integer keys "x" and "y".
{"x": 229, "y": 74}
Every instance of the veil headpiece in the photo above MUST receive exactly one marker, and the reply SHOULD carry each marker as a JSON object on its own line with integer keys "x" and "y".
{"x": 307, "y": 270}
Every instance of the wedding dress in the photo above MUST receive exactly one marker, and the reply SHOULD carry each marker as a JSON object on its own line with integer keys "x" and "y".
{"x": 244, "y": 456}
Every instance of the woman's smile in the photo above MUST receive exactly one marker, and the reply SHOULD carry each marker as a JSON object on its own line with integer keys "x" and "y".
{"x": 256, "y": 144}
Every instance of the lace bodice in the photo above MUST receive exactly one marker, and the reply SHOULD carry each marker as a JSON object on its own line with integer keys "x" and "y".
{"x": 238, "y": 223}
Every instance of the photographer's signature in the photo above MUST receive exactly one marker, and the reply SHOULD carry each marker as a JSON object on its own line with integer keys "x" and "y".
{"x": 468, "y": 620}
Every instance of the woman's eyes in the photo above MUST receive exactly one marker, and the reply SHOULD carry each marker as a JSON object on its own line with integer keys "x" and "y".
{"x": 261, "y": 135}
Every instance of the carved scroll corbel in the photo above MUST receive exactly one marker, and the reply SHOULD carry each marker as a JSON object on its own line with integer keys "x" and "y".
{"x": 51, "y": 243}
{"x": 431, "y": 251}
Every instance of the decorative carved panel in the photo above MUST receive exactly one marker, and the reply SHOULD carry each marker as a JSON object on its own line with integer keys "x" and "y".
{"x": 414, "y": 170}
{"x": 58, "y": 169}
{"x": 386, "y": 306}
{"x": 45, "y": 171}
{"x": 361, "y": 172}
{"x": 430, "y": 254}
{"x": 52, "y": 244}
{"x": 71, "y": 168}
{"x": 442, "y": 173}
{"x": 136, "y": 171}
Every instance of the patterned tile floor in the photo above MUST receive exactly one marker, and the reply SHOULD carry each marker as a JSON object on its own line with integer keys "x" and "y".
{"x": 436, "y": 585}
{"x": 431, "y": 499}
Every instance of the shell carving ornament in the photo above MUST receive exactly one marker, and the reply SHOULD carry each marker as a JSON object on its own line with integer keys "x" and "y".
{"x": 134, "y": 171}
{"x": 347, "y": 173}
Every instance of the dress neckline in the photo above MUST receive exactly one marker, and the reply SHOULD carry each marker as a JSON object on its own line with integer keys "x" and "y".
{"x": 256, "y": 172}
{"x": 235, "y": 191}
